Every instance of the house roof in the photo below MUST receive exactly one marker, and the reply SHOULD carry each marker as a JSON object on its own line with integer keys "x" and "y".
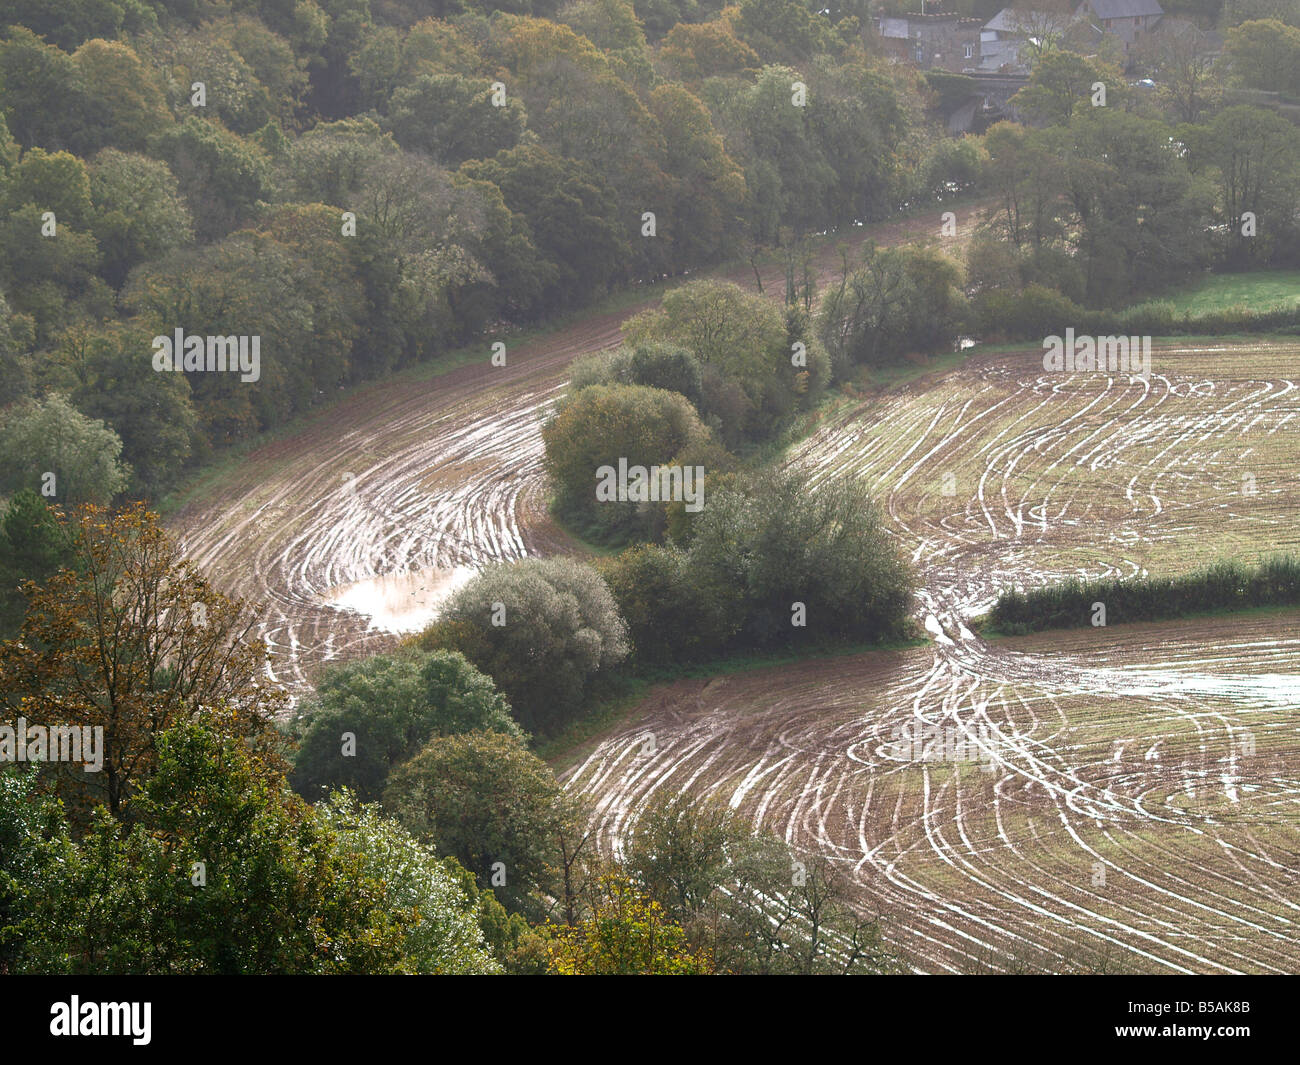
{"x": 1009, "y": 20}
{"x": 996, "y": 54}
{"x": 1125, "y": 8}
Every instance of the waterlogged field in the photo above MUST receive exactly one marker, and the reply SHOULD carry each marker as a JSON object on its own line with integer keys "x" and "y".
{"x": 400, "y": 489}
{"x": 1135, "y": 805}
{"x": 1135, "y": 809}
{"x": 1140, "y": 808}
{"x": 1003, "y": 474}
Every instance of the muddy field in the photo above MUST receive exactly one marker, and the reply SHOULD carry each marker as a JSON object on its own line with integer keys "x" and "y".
{"x": 1004, "y": 474}
{"x": 1131, "y": 799}
{"x": 402, "y": 487}
{"x": 1118, "y": 799}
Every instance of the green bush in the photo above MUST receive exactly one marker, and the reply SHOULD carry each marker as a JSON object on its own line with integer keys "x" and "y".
{"x": 545, "y": 630}
{"x": 391, "y": 705}
{"x": 1154, "y": 318}
{"x": 654, "y": 364}
{"x": 598, "y": 427}
{"x": 1039, "y": 311}
{"x": 898, "y": 300}
{"x": 482, "y": 798}
{"x": 778, "y": 543}
{"x": 742, "y": 344}
{"x": 1032, "y": 314}
{"x": 954, "y": 166}
{"x": 760, "y": 546}
{"x": 673, "y": 614}
{"x": 667, "y": 366}
{"x": 600, "y": 368}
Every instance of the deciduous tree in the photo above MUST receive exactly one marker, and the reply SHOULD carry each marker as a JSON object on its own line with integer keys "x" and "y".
{"x": 133, "y": 640}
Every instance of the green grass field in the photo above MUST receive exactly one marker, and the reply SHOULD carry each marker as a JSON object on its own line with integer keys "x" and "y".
{"x": 1264, "y": 290}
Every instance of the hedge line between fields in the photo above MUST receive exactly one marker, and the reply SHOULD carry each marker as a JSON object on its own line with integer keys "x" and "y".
{"x": 1218, "y": 588}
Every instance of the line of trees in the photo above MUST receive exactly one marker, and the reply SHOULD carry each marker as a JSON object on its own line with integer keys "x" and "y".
{"x": 1104, "y": 202}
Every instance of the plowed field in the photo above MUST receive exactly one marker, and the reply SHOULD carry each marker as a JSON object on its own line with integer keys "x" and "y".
{"x": 1134, "y": 801}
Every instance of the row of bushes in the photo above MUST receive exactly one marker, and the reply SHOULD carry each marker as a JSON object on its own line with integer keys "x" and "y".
{"x": 1223, "y": 586}
{"x": 1039, "y": 311}
{"x": 901, "y": 300}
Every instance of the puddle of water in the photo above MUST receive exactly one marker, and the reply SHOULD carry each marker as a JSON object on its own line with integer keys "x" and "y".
{"x": 400, "y": 602}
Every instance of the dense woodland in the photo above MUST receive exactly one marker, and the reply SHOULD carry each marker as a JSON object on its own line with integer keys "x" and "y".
{"x": 461, "y": 216}
{"x": 368, "y": 185}
{"x": 339, "y": 180}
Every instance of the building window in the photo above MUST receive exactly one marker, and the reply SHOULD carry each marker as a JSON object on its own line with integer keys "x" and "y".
{"x": 970, "y": 51}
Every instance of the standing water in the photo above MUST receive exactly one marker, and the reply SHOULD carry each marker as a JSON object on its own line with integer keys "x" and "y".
{"x": 400, "y": 602}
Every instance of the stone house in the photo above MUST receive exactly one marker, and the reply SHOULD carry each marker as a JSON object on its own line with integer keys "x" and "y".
{"x": 943, "y": 41}
{"x": 1129, "y": 20}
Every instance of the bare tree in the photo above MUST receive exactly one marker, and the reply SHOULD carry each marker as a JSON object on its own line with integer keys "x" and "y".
{"x": 1040, "y": 24}
{"x": 1181, "y": 57}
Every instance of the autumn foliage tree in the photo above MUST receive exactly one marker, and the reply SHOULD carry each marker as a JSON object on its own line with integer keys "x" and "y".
{"x": 132, "y": 639}
{"x": 626, "y": 934}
